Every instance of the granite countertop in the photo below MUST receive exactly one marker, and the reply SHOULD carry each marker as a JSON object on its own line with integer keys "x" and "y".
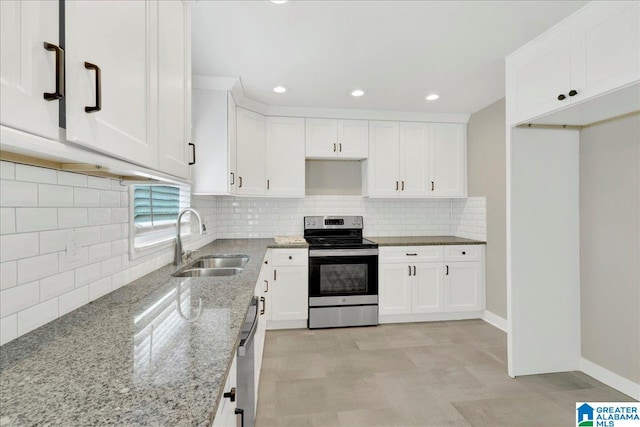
{"x": 423, "y": 241}
{"x": 129, "y": 358}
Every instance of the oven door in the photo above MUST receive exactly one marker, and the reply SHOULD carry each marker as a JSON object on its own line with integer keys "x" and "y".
{"x": 343, "y": 272}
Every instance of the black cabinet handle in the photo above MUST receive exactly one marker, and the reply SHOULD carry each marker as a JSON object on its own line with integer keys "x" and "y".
{"x": 59, "y": 93}
{"x": 264, "y": 305}
{"x": 340, "y": 145}
{"x": 193, "y": 152}
{"x": 240, "y": 185}
{"x": 397, "y": 186}
{"x": 241, "y": 412}
{"x": 266, "y": 286}
{"x": 268, "y": 184}
{"x": 233, "y": 178}
{"x": 447, "y": 273}
{"x": 412, "y": 254}
{"x": 464, "y": 253}
{"x": 98, "y": 106}
{"x": 573, "y": 92}
{"x": 335, "y": 147}
{"x": 409, "y": 270}
{"x": 414, "y": 270}
{"x": 433, "y": 186}
{"x": 561, "y": 97}
{"x": 274, "y": 274}
{"x": 231, "y": 394}
{"x": 402, "y": 185}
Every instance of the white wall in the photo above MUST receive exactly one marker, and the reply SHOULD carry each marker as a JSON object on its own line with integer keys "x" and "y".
{"x": 610, "y": 246}
{"x": 38, "y": 207}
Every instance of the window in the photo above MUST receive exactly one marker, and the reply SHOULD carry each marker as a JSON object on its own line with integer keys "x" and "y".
{"x": 154, "y": 212}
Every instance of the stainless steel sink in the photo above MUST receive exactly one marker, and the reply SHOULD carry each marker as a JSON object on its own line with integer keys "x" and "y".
{"x": 220, "y": 261}
{"x": 207, "y": 272}
{"x": 213, "y": 265}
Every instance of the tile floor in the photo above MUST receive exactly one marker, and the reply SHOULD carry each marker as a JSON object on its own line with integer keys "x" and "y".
{"x": 412, "y": 374}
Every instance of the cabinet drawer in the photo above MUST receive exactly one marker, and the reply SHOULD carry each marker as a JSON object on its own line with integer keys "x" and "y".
{"x": 463, "y": 253}
{"x": 404, "y": 254}
{"x": 285, "y": 257}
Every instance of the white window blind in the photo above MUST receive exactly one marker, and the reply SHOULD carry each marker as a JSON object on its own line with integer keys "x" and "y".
{"x": 155, "y": 210}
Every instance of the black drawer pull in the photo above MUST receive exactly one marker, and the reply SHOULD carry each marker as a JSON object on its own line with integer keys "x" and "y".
{"x": 193, "y": 151}
{"x": 98, "y": 106}
{"x": 59, "y": 93}
{"x": 412, "y": 254}
{"x": 464, "y": 253}
{"x": 231, "y": 394}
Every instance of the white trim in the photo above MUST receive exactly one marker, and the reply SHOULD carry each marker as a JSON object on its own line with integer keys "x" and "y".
{"x": 286, "y": 324}
{"x": 495, "y": 320}
{"x": 611, "y": 379}
{"x": 429, "y": 317}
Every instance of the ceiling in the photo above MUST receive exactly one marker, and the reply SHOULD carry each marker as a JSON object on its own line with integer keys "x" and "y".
{"x": 396, "y": 51}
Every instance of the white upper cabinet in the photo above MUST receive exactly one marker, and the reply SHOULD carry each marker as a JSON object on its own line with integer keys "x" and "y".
{"x": 214, "y": 137}
{"x": 383, "y": 165}
{"x": 28, "y": 69}
{"x": 109, "y": 59}
{"x": 331, "y": 138}
{"x": 595, "y": 51}
{"x": 174, "y": 88}
{"x": 414, "y": 165}
{"x": 447, "y": 160}
{"x": 251, "y": 153}
{"x": 285, "y": 167}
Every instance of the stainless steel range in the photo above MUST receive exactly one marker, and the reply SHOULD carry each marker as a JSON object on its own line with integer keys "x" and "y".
{"x": 343, "y": 273}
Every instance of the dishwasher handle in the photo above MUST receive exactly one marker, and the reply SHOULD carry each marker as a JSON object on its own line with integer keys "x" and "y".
{"x": 248, "y": 339}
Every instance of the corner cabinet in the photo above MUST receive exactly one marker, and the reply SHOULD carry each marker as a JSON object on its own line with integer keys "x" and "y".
{"x": 29, "y": 70}
{"x": 594, "y": 51}
{"x": 285, "y": 168}
{"x": 337, "y": 139}
{"x": 416, "y": 160}
{"x": 420, "y": 283}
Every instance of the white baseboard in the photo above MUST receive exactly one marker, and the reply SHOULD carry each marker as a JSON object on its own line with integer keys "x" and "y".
{"x": 611, "y": 379}
{"x": 495, "y": 320}
{"x": 286, "y": 324}
{"x": 428, "y": 317}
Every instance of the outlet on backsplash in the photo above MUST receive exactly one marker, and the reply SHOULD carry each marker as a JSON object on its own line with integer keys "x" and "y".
{"x": 73, "y": 246}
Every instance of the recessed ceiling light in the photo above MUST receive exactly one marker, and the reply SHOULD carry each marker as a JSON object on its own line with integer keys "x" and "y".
{"x": 357, "y": 92}
{"x": 279, "y": 1}
{"x": 279, "y": 89}
{"x": 433, "y": 97}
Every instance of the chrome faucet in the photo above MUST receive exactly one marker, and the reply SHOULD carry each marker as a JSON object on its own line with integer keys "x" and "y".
{"x": 177, "y": 258}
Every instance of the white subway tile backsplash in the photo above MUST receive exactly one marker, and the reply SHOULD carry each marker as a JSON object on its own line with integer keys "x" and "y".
{"x": 99, "y": 252}
{"x": 99, "y": 216}
{"x": 72, "y": 300}
{"x": 72, "y": 179}
{"x": 17, "y": 193}
{"x": 54, "y": 195}
{"x": 101, "y": 183}
{"x": 38, "y": 267}
{"x": 99, "y": 288}
{"x": 8, "y": 328}
{"x": 17, "y": 246}
{"x": 8, "y": 274}
{"x": 36, "y": 174}
{"x": 36, "y": 219}
{"x": 53, "y": 241}
{"x": 7, "y": 220}
{"x": 119, "y": 247}
{"x": 36, "y": 316}
{"x": 86, "y": 197}
{"x": 72, "y": 217}
{"x": 67, "y": 263}
{"x": 119, "y": 215}
{"x": 88, "y": 235}
{"x": 110, "y": 232}
{"x": 7, "y": 170}
{"x": 111, "y": 266}
{"x": 18, "y": 298}
{"x": 109, "y": 198}
{"x": 87, "y": 274}
{"x": 53, "y": 286}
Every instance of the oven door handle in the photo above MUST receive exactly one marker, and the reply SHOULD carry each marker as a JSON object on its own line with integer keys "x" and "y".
{"x": 321, "y": 253}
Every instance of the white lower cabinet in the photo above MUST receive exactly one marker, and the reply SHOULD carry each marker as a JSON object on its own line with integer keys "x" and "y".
{"x": 430, "y": 282}
{"x": 287, "y": 298}
{"x": 225, "y": 415}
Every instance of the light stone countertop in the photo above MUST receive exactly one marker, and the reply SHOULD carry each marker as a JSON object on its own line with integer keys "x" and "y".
{"x": 423, "y": 241}
{"x": 102, "y": 365}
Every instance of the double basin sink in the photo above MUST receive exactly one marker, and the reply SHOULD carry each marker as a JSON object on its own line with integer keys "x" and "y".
{"x": 213, "y": 265}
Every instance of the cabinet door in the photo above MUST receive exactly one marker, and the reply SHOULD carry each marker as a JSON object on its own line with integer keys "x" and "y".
{"x": 447, "y": 164}
{"x": 383, "y": 165}
{"x": 290, "y": 293}
{"x": 285, "y": 156}
{"x": 174, "y": 87}
{"x": 225, "y": 415}
{"x": 427, "y": 287}
{"x": 251, "y": 153}
{"x": 394, "y": 288}
{"x": 605, "y": 48}
{"x": 414, "y": 166}
{"x": 321, "y": 138}
{"x": 27, "y": 69}
{"x": 116, "y": 37}
{"x": 353, "y": 139}
{"x": 463, "y": 284}
{"x": 536, "y": 76}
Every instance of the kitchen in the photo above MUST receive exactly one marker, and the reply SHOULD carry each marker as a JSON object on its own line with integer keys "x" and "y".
{"x": 78, "y": 176}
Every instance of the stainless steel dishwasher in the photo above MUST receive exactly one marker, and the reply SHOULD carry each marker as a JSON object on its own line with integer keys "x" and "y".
{"x": 246, "y": 406}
